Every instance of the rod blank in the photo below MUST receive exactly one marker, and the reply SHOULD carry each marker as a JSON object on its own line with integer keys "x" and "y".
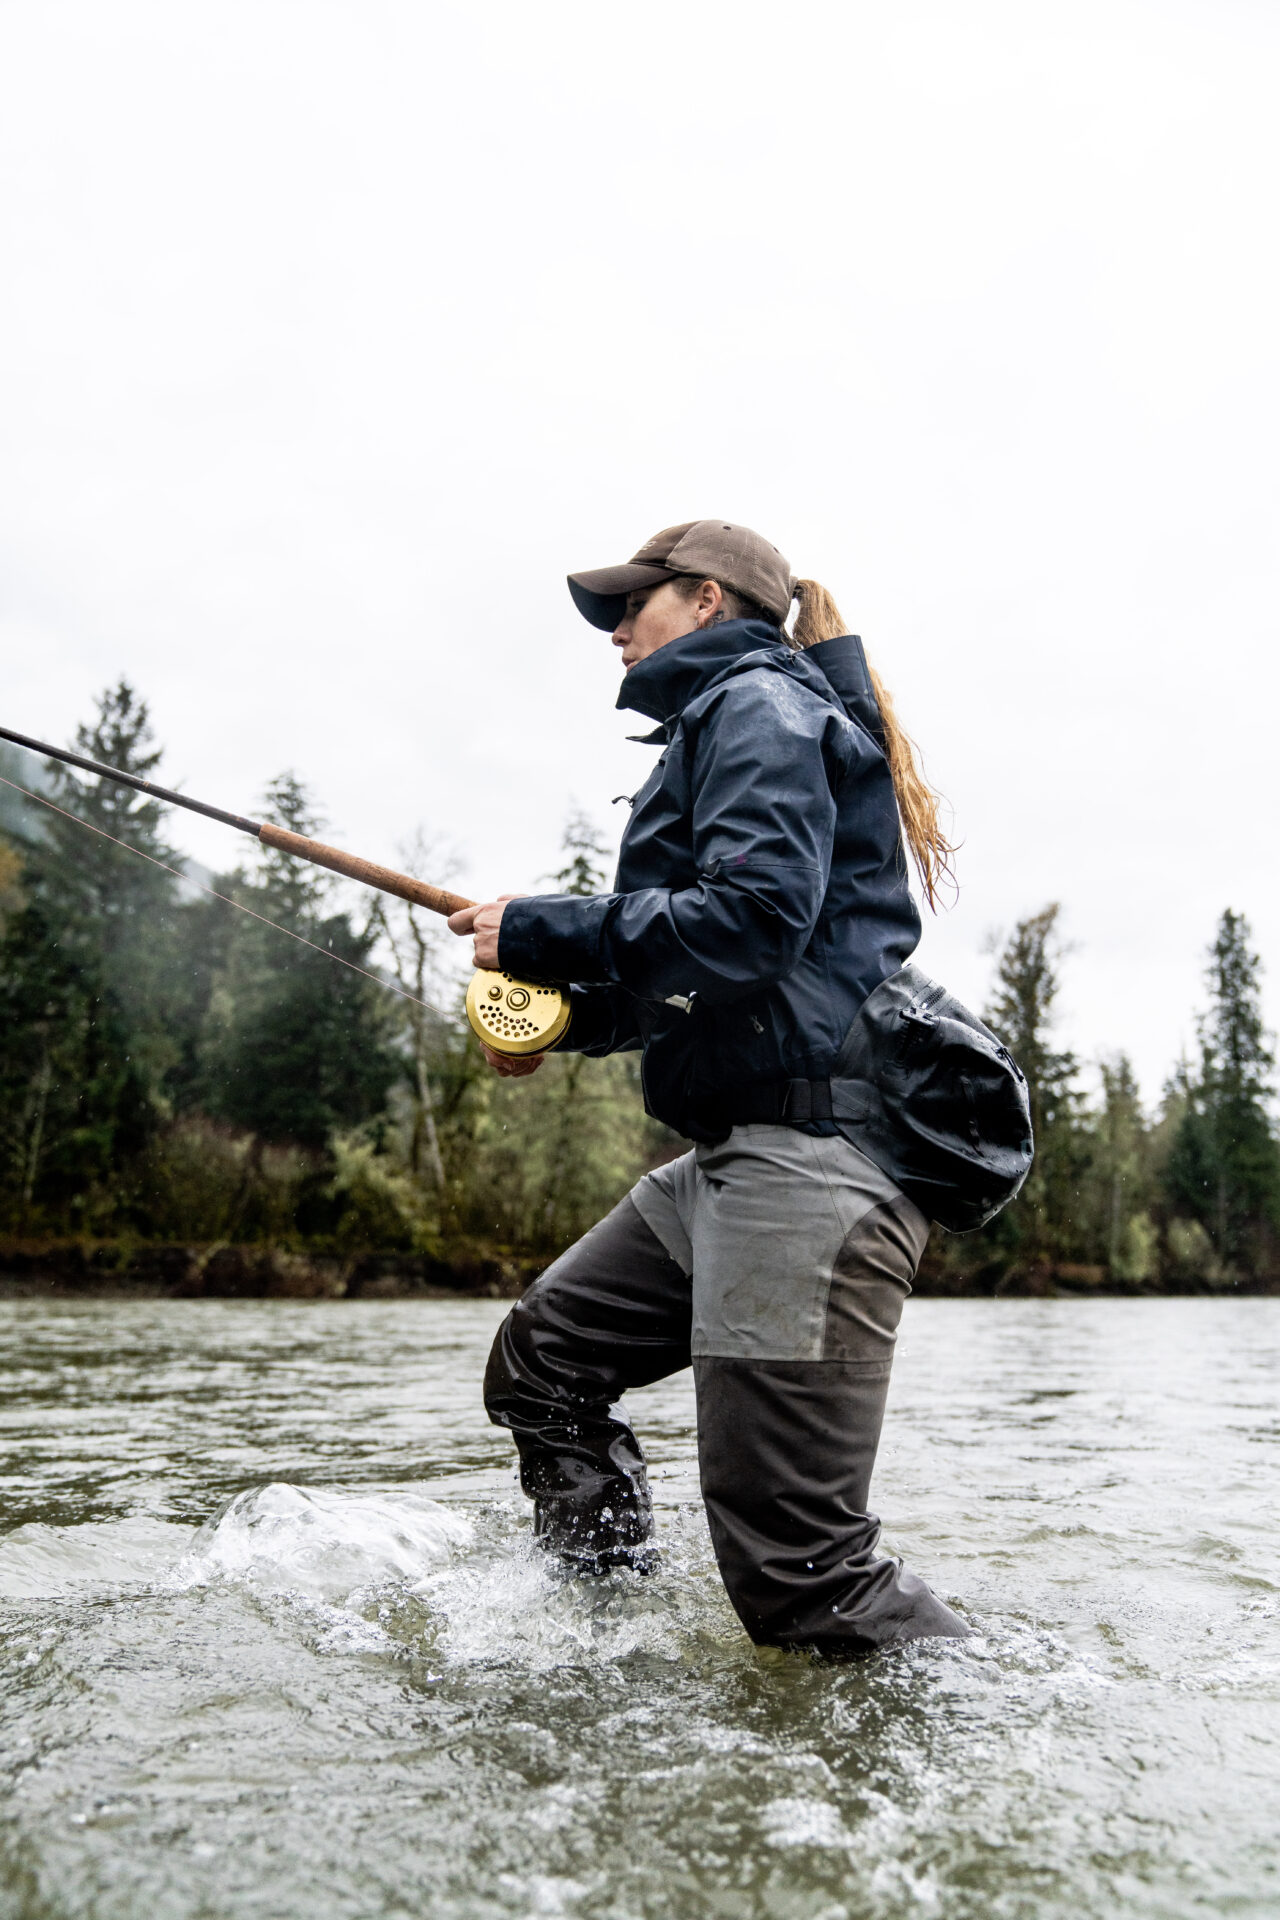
{"x": 131, "y": 780}
{"x": 385, "y": 879}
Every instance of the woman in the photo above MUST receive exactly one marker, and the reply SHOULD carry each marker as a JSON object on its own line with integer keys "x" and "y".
{"x": 761, "y": 897}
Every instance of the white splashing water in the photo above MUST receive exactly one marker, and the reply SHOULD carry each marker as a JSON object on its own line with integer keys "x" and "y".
{"x": 321, "y": 1543}
{"x": 517, "y": 1606}
{"x": 324, "y": 1543}
{"x": 480, "y": 1588}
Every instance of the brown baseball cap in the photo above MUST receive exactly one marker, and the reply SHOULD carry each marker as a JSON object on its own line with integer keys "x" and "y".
{"x": 707, "y": 549}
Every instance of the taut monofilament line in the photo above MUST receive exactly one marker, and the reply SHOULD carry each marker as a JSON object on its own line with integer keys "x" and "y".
{"x": 510, "y": 1016}
{"x": 229, "y": 899}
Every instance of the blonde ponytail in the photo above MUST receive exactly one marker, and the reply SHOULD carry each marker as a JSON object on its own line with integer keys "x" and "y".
{"x": 818, "y": 619}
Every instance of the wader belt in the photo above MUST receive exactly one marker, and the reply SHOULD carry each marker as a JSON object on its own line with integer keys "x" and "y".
{"x": 786, "y": 1103}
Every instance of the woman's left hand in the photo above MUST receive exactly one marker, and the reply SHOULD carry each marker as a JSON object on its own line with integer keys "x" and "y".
{"x": 483, "y": 923}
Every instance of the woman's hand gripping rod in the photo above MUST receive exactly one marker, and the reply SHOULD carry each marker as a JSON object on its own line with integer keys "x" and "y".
{"x": 511, "y": 1017}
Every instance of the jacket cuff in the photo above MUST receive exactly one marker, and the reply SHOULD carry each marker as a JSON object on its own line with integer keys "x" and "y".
{"x": 554, "y": 937}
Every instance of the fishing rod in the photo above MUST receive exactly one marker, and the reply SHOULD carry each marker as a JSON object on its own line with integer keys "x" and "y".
{"x": 510, "y": 1016}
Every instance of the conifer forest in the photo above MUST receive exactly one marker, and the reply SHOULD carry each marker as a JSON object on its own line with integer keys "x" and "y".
{"x": 190, "y": 1099}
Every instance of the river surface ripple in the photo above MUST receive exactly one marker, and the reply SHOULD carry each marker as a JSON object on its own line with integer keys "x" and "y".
{"x": 275, "y": 1641}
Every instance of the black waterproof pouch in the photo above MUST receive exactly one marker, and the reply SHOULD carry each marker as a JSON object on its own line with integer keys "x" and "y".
{"x": 930, "y": 1094}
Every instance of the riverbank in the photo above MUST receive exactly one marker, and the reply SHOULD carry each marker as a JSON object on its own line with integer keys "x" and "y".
{"x": 222, "y": 1271}
{"x": 228, "y": 1272}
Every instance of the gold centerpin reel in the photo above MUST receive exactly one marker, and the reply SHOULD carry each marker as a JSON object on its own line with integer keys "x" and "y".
{"x": 513, "y": 1016}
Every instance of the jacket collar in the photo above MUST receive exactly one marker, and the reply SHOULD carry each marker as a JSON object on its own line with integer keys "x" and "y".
{"x": 662, "y": 685}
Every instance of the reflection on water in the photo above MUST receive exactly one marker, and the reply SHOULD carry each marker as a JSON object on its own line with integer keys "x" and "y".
{"x": 275, "y": 1640}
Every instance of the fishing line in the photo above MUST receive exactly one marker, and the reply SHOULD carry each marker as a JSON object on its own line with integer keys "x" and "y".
{"x": 507, "y": 1015}
{"x": 213, "y": 894}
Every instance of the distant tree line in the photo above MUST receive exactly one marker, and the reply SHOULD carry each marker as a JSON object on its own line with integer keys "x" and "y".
{"x": 173, "y": 1069}
{"x": 1187, "y": 1195}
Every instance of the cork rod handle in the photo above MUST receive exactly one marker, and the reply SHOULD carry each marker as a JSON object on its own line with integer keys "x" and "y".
{"x": 386, "y": 879}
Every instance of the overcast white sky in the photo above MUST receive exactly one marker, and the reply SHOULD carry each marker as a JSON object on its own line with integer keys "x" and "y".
{"x": 334, "y": 332}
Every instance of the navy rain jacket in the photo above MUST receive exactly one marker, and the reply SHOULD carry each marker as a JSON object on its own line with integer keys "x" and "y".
{"x": 761, "y": 891}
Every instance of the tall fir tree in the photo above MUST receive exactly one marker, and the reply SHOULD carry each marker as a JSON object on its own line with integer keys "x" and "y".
{"x": 1224, "y": 1165}
{"x": 1124, "y": 1233}
{"x": 1042, "y": 1224}
{"x": 127, "y": 905}
{"x": 84, "y": 1044}
{"x": 296, "y": 1046}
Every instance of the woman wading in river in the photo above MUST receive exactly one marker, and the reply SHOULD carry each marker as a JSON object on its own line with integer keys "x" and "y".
{"x": 761, "y": 898}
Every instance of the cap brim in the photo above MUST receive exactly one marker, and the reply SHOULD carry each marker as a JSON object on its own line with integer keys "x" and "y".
{"x": 601, "y": 596}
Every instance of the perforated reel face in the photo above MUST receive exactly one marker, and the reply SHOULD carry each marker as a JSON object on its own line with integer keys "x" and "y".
{"x": 514, "y": 1016}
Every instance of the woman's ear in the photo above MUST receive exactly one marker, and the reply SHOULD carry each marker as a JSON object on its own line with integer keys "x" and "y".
{"x": 708, "y": 602}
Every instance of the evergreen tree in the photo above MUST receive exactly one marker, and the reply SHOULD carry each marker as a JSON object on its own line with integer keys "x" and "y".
{"x": 127, "y": 907}
{"x": 114, "y": 905}
{"x": 295, "y": 1046}
{"x": 1224, "y": 1167}
{"x": 292, "y": 889}
{"x": 83, "y": 1040}
{"x": 1043, "y": 1223}
{"x": 582, "y": 873}
{"x": 1125, "y": 1233}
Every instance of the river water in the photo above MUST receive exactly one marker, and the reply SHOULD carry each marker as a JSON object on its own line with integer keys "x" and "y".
{"x": 275, "y": 1642}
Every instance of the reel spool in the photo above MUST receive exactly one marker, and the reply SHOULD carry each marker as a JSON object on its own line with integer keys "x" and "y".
{"x": 513, "y": 1016}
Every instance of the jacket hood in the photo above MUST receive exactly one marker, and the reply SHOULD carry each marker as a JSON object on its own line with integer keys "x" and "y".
{"x": 843, "y": 663}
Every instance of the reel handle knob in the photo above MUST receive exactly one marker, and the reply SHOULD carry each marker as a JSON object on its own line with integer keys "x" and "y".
{"x": 514, "y": 1016}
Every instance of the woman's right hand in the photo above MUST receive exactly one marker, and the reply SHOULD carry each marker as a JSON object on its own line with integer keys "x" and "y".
{"x": 512, "y": 1066}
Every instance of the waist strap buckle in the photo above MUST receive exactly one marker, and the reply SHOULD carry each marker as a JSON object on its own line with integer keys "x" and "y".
{"x": 804, "y": 1101}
